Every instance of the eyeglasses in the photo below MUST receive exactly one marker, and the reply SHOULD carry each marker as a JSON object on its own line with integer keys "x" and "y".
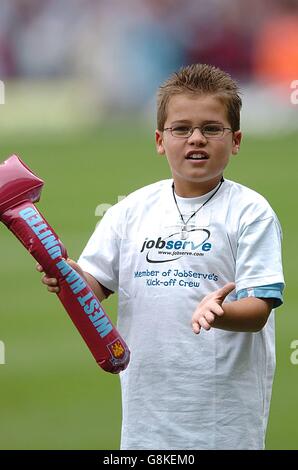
{"x": 209, "y": 131}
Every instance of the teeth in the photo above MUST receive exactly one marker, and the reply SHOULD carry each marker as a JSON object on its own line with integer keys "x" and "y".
{"x": 197, "y": 156}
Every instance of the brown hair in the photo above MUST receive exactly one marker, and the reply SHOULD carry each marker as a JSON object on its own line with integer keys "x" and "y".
{"x": 201, "y": 79}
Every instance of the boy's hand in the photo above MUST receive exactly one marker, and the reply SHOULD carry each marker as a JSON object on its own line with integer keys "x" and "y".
{"x": 210, "y": 307}
{"x": 51, "y": 282}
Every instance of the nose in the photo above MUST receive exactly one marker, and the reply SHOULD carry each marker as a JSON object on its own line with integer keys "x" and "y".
{"x": 197, "y": 136}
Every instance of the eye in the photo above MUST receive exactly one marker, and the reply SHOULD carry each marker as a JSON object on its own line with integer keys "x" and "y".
{"x": 181, "y": 130}
{"x": 212, "y": 129}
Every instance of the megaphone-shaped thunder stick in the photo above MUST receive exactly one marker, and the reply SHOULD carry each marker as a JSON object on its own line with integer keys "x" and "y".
{"x": 20, "y": 188}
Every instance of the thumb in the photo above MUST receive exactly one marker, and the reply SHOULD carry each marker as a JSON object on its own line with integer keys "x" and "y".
{"x": 222, "y": 293}
{"x": 75, "y": 266}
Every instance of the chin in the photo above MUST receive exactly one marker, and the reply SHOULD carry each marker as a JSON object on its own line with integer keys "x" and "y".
{"x": 196, "y": 178}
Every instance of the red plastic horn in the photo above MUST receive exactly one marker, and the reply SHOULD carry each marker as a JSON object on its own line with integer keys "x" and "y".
{"x": 19, "y": 189}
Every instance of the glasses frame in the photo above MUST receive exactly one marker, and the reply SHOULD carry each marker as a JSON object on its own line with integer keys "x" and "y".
{"x": 191, "y": 131}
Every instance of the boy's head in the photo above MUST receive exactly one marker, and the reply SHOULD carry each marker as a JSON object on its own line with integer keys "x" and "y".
{"x": 201, "y": 79}
{"x": 198, "y": 126}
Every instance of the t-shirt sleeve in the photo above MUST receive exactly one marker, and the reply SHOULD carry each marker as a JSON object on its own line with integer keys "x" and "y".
{"x": 259, "y": 261}
{"x": 100, "y": 257}
{"x": 271, "y": 291}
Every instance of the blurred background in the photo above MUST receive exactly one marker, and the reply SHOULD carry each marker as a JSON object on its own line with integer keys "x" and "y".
{"x": 79, "y": 79}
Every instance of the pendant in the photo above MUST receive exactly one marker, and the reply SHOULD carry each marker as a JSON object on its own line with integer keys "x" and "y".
{"x": 184, "y": 232}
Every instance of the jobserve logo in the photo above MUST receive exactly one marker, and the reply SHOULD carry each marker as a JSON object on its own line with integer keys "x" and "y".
{"x": 171, "y": 248}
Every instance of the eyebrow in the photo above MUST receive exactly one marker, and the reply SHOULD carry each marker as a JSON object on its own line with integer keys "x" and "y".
{"x": 186, "y": 121}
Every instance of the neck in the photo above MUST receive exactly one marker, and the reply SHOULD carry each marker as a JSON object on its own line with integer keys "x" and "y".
{"x": 194, "y": 189}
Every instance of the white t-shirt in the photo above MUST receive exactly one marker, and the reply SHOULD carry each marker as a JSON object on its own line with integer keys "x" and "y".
{"x": 181, "y": 390}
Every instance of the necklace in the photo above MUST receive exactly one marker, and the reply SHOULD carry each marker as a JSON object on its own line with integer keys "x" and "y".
{"x": 184, "y": 230}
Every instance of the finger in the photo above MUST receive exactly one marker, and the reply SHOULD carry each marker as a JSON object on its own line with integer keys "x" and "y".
{"x": 222, "y": 293}
{"x": 210, "y": 317}
{"x": 49, "y": 281}
{"x": 204, "y": 324}
{"x": 54, "y": 289}
{"x": 216, "y": 309}
{"x": 196, "y": 328}
{"x": 39, "y": 268}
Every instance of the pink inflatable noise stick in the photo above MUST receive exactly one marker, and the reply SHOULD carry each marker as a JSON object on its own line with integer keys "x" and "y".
{"x": 20, "y": 188}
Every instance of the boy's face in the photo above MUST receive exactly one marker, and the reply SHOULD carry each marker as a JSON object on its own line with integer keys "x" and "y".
{"x": 194, "y": 177}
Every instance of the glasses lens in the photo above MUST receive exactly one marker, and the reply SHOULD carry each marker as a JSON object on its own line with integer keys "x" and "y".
{"x": 181, "y": 131}
{"x": 213, "y": 130}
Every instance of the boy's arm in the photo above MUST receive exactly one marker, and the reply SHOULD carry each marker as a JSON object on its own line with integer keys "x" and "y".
{"x": 100, "y": 291}
{"x": 249, "y": 314}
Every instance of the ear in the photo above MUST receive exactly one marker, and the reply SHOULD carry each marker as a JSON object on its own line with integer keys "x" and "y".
{"x": 237, "y": 136}
{"x": 159, "y": 142}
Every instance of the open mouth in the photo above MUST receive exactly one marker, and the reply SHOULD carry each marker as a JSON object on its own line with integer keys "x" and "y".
{"x": 197, "y": 156}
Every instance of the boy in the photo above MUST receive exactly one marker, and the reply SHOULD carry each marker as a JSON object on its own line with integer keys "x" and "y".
{"x": 195, "y": 254}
